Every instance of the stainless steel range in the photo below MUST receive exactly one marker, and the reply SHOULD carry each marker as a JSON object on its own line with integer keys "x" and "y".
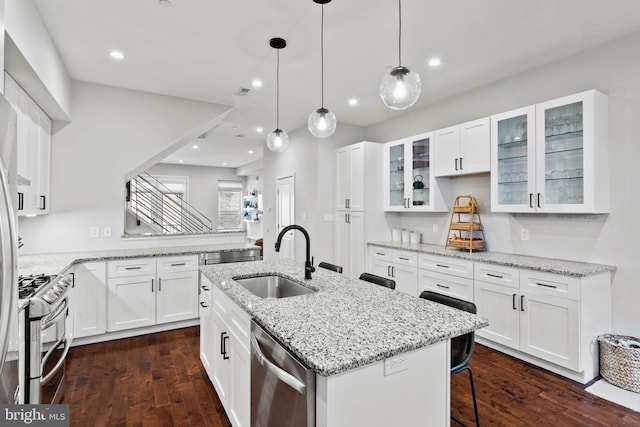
{"x": 47, "y": 334}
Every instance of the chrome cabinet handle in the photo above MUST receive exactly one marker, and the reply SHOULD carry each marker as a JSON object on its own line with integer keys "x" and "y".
{"x": 178, "y": 264}
{"x": 403, "y": 258}
{"x": 204, "y": 304}
{"x": 460, "y": 163}
{"x": 205, "y": 288}
{"x": 531, "y": 200}
{"x": 521, "y": 302}
{"x": 43, "y": 204}
{"x": 513, "y": 300}
{"x": 133, "y": 268}
{"x": 279, "y": 373}
{"x": 456, "y": 164}
{"x": 442, "y": 265}
{"x": 546, "y": 286}
{"x": 224, "y": 336}
{"x": 159, "y": 284}
{"x": 151, "y": 285}
{"x": 442, "y": 286}
{"x": 539, "y": 194}
{"x": 495, "y": 275}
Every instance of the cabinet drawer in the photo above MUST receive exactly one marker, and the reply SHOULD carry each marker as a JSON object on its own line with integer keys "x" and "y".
{"x": 497, "y": 274}
{"x": 240, "y": 326}
{"x": 177, "y": 263}
{"x": 206, "y": 287}
{"x": 457, "y": 287}
{"x": 550, "y": 284}
{"x": 381, "y": 254}
{"x": 405, "y": 258}
{"x": 132, "y": 267}
{"x": 446, "y": 265}
{"x": 222, "y": 305}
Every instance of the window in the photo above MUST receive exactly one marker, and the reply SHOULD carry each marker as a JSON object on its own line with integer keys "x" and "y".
{"x": 229, "y": 205}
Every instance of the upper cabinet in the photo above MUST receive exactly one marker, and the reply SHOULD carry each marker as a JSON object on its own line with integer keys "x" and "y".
{"x": 552, "y": 157}
{"x": 356, "y": 170}
{"x": 34, "y": 151}
{"x": 410, "y": 183}
{"x": 463, "y": 149}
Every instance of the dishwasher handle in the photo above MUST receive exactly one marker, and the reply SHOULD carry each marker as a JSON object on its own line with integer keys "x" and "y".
{"x": 279, "y": 373}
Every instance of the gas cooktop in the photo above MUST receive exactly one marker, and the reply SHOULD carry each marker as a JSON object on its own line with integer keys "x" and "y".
{"x": 28, "y": 285}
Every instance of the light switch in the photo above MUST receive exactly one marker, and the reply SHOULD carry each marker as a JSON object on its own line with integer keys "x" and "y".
{"x": 94, "y": 232}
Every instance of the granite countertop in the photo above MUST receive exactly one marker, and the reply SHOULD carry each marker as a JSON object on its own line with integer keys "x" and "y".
{"x": 550, "y": 265}
{"x": 55, "y": 263}
{"x": 347, "y": 323}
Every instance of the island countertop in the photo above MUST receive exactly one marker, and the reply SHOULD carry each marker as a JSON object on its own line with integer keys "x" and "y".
{"x": 347, "y": 323}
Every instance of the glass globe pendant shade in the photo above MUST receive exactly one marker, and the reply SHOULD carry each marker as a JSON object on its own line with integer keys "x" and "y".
{"x": 400, "y": 88}
{"x": 322, "y": 123}
{"x": 278, "y": 141}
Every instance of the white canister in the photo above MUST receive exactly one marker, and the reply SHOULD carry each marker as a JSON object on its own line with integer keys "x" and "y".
{"x": 396, "y": 234}
{"x": 415, "y": 237}
{"x": 406, "y": 236}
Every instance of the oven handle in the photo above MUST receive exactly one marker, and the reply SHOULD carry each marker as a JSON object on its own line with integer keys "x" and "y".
{"x": 61, "y": 312}
{"x": 67, "y": 346}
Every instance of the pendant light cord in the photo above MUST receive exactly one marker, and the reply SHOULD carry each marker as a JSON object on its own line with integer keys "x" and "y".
{"x": 399, "y": 32}
{"x": 278, "y": 89}
{"x": 322, "y": 56}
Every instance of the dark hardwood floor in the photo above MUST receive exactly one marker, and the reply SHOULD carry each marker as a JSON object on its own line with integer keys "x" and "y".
{"x": 158, "y": 380}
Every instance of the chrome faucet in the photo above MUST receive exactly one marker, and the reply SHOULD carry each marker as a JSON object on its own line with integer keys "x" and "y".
{"x": 308, "y": 264}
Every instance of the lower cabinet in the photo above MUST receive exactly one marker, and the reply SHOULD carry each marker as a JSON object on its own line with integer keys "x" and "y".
{"x": 448, "y": 276}
{"x": 89, "y": 299}
{"x": 148, "y": 291}
{"x": 551, "y": 317}
{"x": 401, "y": 266}
{"x": 225, "y": 351}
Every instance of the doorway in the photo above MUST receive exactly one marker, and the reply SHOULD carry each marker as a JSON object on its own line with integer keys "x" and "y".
{"x": 285, "y": 195}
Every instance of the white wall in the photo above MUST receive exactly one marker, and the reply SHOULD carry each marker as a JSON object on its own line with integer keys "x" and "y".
{"x": 614, "y": 69}
{"x": 312, "y": 161}
{"x": 34, "y": 61}
{"x": 112, "y": 132}
{"x": 203, "y": 184}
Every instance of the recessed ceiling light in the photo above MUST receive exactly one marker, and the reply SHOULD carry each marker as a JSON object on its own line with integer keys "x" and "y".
{"x": 259, "y": 130}
{"x": 165, "y": 3}
{"x": 180, "y": 161}
{"x": 353, "y": 101}
{"x": 434, "y": 62}
{"x": 195, "y": 147}
{"x": 224, "y": 164}
{"x": 256, "y": 83}
{"x": 250, "y": 151}
{"x": 116, "y": 54}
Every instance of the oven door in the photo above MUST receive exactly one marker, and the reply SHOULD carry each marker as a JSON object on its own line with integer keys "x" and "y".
{"x": 54, "y": 349}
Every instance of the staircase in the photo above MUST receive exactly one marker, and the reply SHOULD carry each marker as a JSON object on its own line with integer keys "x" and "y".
{"x": 161, "y": 210}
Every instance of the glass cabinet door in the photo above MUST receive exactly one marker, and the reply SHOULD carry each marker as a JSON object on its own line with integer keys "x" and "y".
{"x": 513, "y": 161}
{"x": 420, "y": 181}
{"x": 396, "y": 177}
{"x": 564, "y": 155}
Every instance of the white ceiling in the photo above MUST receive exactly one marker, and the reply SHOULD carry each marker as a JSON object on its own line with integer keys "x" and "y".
{"x": 206, "y": 50}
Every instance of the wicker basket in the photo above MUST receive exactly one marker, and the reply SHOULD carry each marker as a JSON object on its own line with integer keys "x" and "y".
{"x": 620, "y": 365}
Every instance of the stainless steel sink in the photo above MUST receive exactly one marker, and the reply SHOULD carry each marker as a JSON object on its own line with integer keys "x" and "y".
{"x": 272, "y": 286}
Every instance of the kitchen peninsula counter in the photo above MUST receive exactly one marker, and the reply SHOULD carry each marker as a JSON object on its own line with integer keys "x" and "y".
{"x": 55, "y": 263}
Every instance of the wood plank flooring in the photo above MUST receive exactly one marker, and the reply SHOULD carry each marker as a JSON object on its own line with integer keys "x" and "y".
{"x": 158, "y": 380}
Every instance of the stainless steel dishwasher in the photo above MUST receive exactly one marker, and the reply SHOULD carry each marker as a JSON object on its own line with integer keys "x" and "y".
{"x": 283, "y": 389}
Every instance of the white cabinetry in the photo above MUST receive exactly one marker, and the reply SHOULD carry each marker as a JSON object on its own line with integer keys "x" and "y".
{"x": 358, "y": 184}
{"x": 145, "y": 292}
{"x": 409, "y": 179}
{"x": 553, "y": 318}
{"x": 225, "y": 351}
{"x": 34, "y": 151}
{"x": 89, "y": 299}
{"x": 552, "y": 157}
{"x": 445, "y": 275}
{"x": 401, "y": 266}
{"x": 463, "y": 149}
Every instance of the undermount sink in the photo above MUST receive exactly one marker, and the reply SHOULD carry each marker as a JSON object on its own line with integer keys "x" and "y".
{"x": 273, "y": 286}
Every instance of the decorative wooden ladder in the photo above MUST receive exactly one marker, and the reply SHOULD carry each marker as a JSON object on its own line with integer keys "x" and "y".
{"x": 467, "y": 223}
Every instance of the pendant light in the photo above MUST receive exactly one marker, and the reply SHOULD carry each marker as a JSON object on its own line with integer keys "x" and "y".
{"x": 400, "y": 88}
{"x": 322, "y": 122}
{"x": 278, "y": 140}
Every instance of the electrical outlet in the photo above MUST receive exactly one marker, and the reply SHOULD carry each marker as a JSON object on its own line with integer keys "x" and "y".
{"x": 106, "y": 232}
{"x": 435, "y": 228}
{"x": 94, "y": 232}
{"x": 396, "y": 364}
{"x": 524, "y": 234}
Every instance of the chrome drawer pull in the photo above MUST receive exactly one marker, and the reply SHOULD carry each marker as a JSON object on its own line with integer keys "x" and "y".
{"x": 133, "y": 268}
{"x": 178, "y": 264}
{"x": 495, "y": 275}
{"x": 441, "y": 265}
{"x": 547, "y": 286}
{"x": 403, "y": 258}
{"x": 204, "y": 304}
{"x": 442, "y": 286}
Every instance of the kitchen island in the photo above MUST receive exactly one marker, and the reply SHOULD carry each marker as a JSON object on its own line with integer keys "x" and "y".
{"x": 381, "y": 357}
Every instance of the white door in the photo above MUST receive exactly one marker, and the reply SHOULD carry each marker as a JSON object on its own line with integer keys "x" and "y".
{"x": 406, "y": 279}
{"x": 501, "y": 305}
{"x": 343, "y": 177}
{"x": 131, "y": 302}
{"x": 90, "y": 299}
{"x": 342, "y": 241}
{"x": 177, "y": 297}
{"x": 285, "y": 214}
{"x": 475, "y": 147}
{"x": 447, "y": 151}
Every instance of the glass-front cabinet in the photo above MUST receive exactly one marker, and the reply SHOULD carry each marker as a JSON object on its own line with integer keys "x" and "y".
{"x": 410, "y": 184}
{"x": 552, "y": 157}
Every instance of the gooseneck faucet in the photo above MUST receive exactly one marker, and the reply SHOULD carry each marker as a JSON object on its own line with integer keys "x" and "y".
{"x": 308, "y": 265}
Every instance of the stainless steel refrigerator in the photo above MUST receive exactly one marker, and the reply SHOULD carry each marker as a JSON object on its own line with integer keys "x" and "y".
{"x": 9, "y": 339}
